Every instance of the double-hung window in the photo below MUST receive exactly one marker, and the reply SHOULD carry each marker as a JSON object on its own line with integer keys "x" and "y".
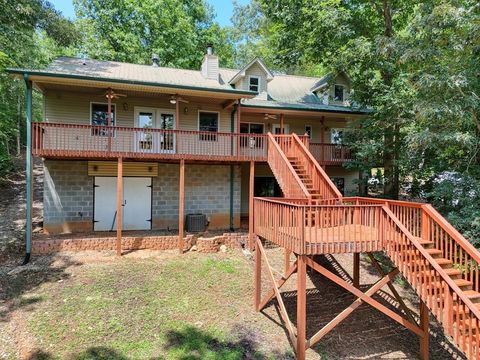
{"x": 338, "y": 93}
{"x": 99, "y": 117}
{"x": 254, "y": 83}
{"x": 208, "y": 125}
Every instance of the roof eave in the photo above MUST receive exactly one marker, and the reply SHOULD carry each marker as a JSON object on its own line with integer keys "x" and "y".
{"x": 299, "y": 108}
{"x": 22, "y": 72}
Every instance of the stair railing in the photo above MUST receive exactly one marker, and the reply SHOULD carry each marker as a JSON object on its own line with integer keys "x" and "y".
{"x": 453, "y": 245}
{"x": 287, "y": 178}
{"x": 452, "y": 308}
{"x": 320, "y": 179}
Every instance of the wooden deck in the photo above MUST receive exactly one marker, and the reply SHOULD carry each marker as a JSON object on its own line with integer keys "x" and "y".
{"x": 102, "y": 142}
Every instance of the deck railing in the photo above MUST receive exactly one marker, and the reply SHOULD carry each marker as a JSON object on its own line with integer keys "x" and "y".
{"x": 278, "y": 149}
{"x": 72, "y": 140}
{"x": 314, "y": 229}
{"x": 330, "y": 154}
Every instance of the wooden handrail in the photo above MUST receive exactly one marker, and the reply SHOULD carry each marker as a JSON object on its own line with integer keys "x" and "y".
{"x": 454, "y": 233}
{"x": 274, "y": 144}
{"x": 433, "y": 263}
{"x": 322, "y": 173}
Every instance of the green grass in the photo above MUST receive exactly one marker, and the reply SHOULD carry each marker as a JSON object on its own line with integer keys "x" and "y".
{"x": 183, "y": 308}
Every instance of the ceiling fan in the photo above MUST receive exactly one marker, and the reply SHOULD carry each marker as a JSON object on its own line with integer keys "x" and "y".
{"x": 111, "y": 94}
{"x": 175, "y": 98}
{"x": 270, "y": 117}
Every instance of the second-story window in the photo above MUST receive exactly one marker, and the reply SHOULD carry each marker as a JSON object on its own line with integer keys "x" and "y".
{"x": 308, "y": 131}
{"x": 338, "y": 93}
{"x": 99, "y": 117}
{"x": 208, "y": 124}
{"x": 254, "y": 83}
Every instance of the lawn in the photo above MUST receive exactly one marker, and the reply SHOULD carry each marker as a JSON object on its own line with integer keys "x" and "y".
{"x": 162, "y": 305}
{"x": 194, "y": 307}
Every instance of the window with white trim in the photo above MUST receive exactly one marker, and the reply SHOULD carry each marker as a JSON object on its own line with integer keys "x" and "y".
{"x": 254, "y": 83}
{"x": 338, "y": 92}
{"x": 208, "y": 123}
{"x": 308, "y": 131}
{"x": 336, "y": 136}
{"x": 99, "y": 117}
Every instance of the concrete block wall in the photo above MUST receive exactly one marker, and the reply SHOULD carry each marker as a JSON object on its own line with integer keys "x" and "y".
{"x": 67, "y": 196}
{"x": 207, "y": 191}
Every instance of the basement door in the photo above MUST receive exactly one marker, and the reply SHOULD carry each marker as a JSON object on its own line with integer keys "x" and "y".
{"x": 137, "y": 203}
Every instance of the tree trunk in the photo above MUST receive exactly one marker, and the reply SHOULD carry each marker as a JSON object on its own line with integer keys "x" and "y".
{"x": 392, "y": 129}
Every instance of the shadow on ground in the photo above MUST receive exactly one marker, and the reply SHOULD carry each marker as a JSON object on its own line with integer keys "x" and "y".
{"x": 189, "y": 343}
{"x": 366, "y": 333}
{"x": 16, "y": 281}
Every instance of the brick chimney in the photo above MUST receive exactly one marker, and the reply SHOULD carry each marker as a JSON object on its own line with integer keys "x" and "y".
{"x": 210, "y": 64}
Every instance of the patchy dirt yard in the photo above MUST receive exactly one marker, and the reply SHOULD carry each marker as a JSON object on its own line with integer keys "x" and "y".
{"x": 12, "y": 210}
{"x": 162, "y": 305}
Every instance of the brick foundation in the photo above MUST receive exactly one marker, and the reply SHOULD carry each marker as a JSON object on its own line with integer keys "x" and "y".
{"x": 169, "y": 242}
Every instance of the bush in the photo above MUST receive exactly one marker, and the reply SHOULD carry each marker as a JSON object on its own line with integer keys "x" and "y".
{"x": 457, "y": 197}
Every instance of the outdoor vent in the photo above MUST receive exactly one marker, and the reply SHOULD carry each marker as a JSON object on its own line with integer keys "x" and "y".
{"x": 155, "y": 60}
{"x": 196, "y": 222}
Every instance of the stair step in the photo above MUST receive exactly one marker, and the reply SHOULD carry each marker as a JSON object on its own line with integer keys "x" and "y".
{"x": 434, "y": 252}
{"x": 424, "y": 242}
{"x": 453, "y": 272}
{"x": 443, "y": 261}
{"x": 472, "y": 295}
{"x": 461, "y": 283}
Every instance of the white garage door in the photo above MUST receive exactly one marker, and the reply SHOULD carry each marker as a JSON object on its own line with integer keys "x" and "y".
{"x": 137, "y": 200}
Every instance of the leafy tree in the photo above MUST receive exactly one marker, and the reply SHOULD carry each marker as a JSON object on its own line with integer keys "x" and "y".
{"x": 32, "y": 33}
{"x": 131, "y": 31}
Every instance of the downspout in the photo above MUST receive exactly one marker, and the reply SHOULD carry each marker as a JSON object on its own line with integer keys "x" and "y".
{"x": 28, "y": 184}
{"x": 232, "y": 167}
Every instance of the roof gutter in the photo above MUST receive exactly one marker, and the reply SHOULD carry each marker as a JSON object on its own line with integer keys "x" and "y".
{"x": 299, "y": 108}
{"x": 23, "y": 72}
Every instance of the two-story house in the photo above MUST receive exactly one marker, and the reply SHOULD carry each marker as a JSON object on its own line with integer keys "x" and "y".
{"x": 191, "y": 138}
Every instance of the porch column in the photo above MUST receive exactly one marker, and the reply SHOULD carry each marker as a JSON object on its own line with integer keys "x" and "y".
{"x": 424, "y": 324}
{"x": 239, "y": 117}
{"x": 281, "y": 124}
{"x": 119, "y": 205}
{"x": 322, "y": 141}
{"x": 181, "y": 203}
{"x": 301, "y": 306}
{"x": 29, "y": 175}
{"x": 177, "y": 123}
{"x": 250, "y": 205}
{"x": 109, "y": 118}
{"x": 356, "y": 270}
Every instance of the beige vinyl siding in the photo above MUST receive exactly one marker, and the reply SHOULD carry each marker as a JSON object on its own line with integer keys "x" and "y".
{"x": 340, "y": 80}
{"x": 74, "y": 108}
{"x": 254, "y": 70}
{"x": 297, "y": 124}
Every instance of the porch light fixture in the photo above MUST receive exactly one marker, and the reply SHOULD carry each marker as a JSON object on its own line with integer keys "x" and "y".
{"x": 185, "y": 110}
{"x": 173, "y": 100}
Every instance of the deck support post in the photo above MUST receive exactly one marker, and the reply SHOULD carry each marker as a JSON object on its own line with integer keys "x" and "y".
{"x": 29, "y": 172}
{"x": 119, "y": 205}
{"x": 258, "y": 275}
{"x": 287, "y": 254}
{"x": 301, "y": 306}
{"x": 424, "y": 324}
{"x": 356, "y": 270}
{"x": 282, "y": 131}
{"x": 181, "y": 203}
{"x": 250, "y": 205}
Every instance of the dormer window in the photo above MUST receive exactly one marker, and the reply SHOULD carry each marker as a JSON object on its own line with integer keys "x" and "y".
{"x": 338, "y": 93}
{"x": 253, "y": 83}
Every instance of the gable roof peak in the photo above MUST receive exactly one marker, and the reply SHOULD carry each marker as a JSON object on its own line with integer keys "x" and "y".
{"x": 242, "y": 72}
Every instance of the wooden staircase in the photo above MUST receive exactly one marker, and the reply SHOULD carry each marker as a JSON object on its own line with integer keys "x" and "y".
{"x": 436, "y": 260}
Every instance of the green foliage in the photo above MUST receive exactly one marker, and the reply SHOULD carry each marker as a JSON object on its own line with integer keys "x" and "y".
{"x": 457, "y": 196}
{"x": 131, "y": 31}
